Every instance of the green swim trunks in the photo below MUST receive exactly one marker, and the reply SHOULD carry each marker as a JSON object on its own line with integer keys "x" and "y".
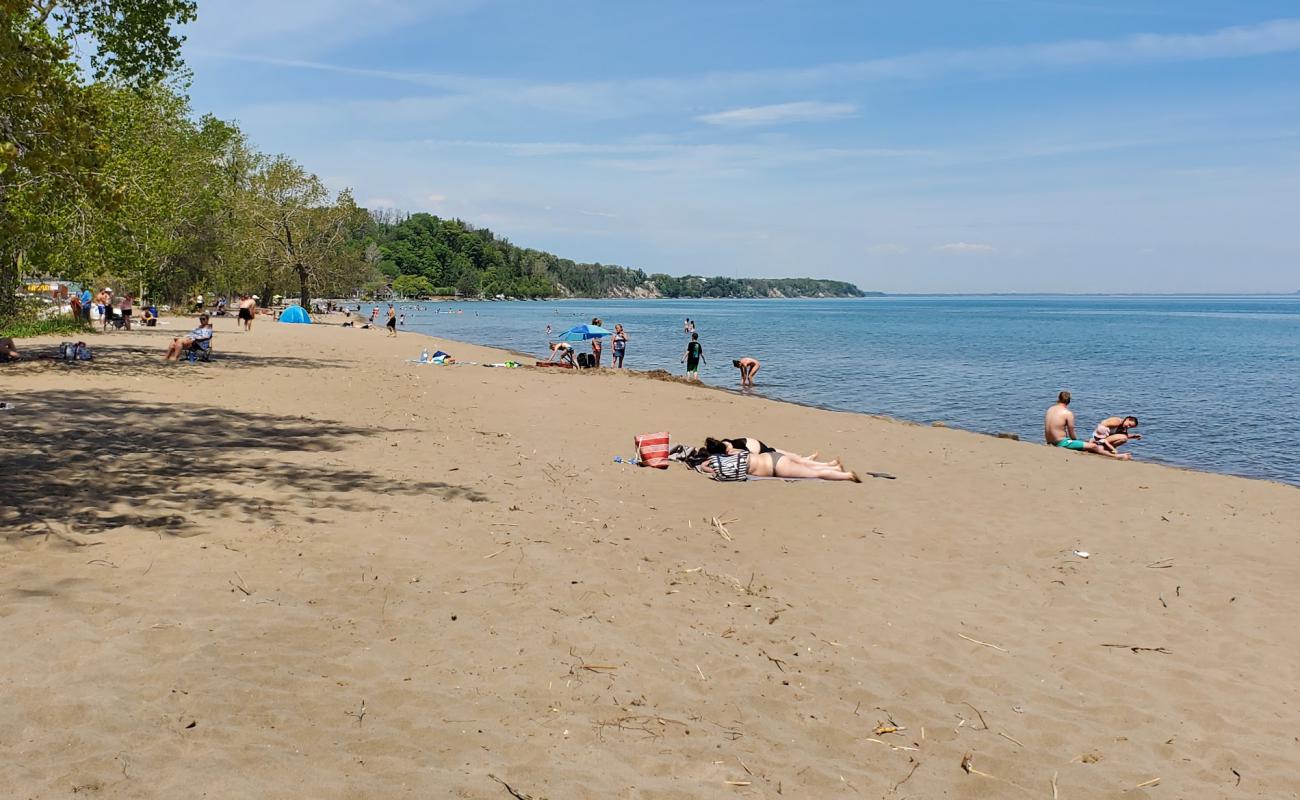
{"x": 1072, "y": 444}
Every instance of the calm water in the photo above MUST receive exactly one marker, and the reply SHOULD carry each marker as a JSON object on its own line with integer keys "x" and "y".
{"x": 1214, "y": 380}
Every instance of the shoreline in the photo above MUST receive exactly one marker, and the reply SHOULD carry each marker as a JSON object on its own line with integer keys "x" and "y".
{"x": 867, "y": 414}
{"x": 310, "y": 567}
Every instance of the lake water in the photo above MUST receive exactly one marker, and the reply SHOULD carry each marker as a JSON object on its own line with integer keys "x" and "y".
{"x": 1213, "y": 380}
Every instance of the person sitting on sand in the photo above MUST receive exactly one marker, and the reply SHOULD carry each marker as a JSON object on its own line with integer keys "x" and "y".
{"x": 1112, "y": 432}
{"x": 743, "y": 465}
{"x": 750, "y": 444}
{"x": 1058, "y": 430}
{"x": 748, "y": 369}
{"x": 203, "y": 333}
{"x": 562, "y": 351}
{"x": 8, "y": 350}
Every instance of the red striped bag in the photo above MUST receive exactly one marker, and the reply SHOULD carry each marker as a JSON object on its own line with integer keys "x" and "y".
{"x": 652, "y": 449}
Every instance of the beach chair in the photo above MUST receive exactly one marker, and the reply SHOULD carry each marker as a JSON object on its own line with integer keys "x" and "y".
{"x": 199, "y": 351}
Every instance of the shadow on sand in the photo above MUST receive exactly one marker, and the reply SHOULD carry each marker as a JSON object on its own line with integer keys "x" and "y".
{"x": 85, "y": 463}
{"x": 137, "y": 358}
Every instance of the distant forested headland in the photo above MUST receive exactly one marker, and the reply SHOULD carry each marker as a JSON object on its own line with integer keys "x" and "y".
{"x": 109, "y": 177}
{"x": 424, "y": 255}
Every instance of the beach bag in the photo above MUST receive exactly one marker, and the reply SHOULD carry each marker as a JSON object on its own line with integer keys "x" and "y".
{"x": 652, "y": 449}
{"x": 731, "y": 468}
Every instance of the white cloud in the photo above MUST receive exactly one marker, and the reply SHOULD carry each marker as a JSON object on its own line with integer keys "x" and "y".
{"x": 436, "y": 200}
{"x": 380, "y": 202}
{"x": 614, "y": 98}
{"x": 965, "y": 247}
{"x": 780, "y": 114}
{"x": 604, "y": 214}
{"x": 888, "y": 249}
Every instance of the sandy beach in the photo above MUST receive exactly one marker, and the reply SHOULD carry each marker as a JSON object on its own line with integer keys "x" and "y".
{"x": 312, "y": 569}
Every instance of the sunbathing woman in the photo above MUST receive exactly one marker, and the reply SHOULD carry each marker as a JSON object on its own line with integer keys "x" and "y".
{"x": 743, "y": 465}
{"x": 752, "y": 445}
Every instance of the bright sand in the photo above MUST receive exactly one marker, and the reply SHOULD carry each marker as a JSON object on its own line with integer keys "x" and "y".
{"x": 310, "y": 569}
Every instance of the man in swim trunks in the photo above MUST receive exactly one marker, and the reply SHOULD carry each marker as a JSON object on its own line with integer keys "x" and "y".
{"x": 247, "y": 308}
{"x": 748, "y": 368}
{"x": 1058, "y": 430}
{"x": 392, "y": 320}
{"x": 693, "y": 357}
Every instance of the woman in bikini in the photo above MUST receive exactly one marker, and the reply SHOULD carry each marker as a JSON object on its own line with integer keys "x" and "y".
{"x": 755, "y": 446}
{"x": 743, "y": 465}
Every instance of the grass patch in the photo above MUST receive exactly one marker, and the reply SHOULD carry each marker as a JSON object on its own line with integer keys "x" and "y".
{"x": 26, "y": 328}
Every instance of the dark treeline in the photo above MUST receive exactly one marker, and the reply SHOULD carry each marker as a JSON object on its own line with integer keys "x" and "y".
{"x": 425, "y": 255}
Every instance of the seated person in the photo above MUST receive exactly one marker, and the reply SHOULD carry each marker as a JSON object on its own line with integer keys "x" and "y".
{"x": 150, "y": 317}
{"x": 8, "y": 350}
{"x": 193, "y": 341}
{"x": 563, "y": 351}
{"x": 1112, "y": 432}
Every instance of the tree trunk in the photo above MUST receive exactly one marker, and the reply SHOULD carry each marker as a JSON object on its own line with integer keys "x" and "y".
{"x": 304, "y": 296}
{"x": 9, "y": 275}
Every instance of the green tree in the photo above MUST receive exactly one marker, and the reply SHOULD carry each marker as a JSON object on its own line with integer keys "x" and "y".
{"x": 412, "y": 286}
{"x": 299, "y": 230}
{"x": 50, "y": 149}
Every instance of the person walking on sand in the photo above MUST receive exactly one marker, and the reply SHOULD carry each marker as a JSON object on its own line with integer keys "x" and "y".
{"x": 125, "y": 307}
{"x": 1058, "y": 430}
{"x": 693, "y": 357}
{"x": 104, "y": 302}
{"x": 392, "y": 320}
{"x": 748, "y": 369}
{"x": 1112, "y": 432}
{"x": 247, "y": 308}
{"x": 620, "y": 345}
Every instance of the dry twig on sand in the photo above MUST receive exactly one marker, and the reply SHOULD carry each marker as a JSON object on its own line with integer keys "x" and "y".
{"x": 360, "y": 713}
{"x": 986, "y": 644}
{"x": 978, "y": 714}
{"x": 1164, "y": 563}
{"x": 1163, "y": 650}
{"x": 515, "y": 793}
{"x": 720, "y": 525}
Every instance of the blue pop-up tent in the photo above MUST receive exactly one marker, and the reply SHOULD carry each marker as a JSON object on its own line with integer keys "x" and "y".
{"x": 295, "y": 314}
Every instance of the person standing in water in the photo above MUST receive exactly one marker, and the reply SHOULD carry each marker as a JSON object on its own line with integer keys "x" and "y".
{"x": 620, "y": 345}
{"x": 596, "y": 345}
{"x": 748, "y": 369}
{"x": 693, "y": 357}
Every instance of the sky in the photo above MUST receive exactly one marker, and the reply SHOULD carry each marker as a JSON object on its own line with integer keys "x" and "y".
{"x": 903, "y": 145}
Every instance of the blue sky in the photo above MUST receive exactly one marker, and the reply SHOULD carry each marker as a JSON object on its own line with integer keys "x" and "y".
{"x": 964, "y": 145}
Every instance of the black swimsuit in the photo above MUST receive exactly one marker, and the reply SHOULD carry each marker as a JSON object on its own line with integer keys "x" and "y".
{"x": 745, "y": 440}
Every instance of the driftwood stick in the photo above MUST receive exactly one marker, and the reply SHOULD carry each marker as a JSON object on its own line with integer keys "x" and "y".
{"x": 986, "y": 644}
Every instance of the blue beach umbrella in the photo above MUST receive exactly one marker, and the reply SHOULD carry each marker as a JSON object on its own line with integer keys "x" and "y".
{"x": 581, "y": 333}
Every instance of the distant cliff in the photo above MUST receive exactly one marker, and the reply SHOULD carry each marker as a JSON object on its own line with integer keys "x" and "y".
{"x": 422, "y": 254}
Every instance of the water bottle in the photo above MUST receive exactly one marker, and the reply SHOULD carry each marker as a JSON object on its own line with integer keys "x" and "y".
{"x": 424, "y": 355}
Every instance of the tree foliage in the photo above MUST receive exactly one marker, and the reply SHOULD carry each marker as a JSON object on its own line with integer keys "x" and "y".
{"x": 451, "y": 252}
